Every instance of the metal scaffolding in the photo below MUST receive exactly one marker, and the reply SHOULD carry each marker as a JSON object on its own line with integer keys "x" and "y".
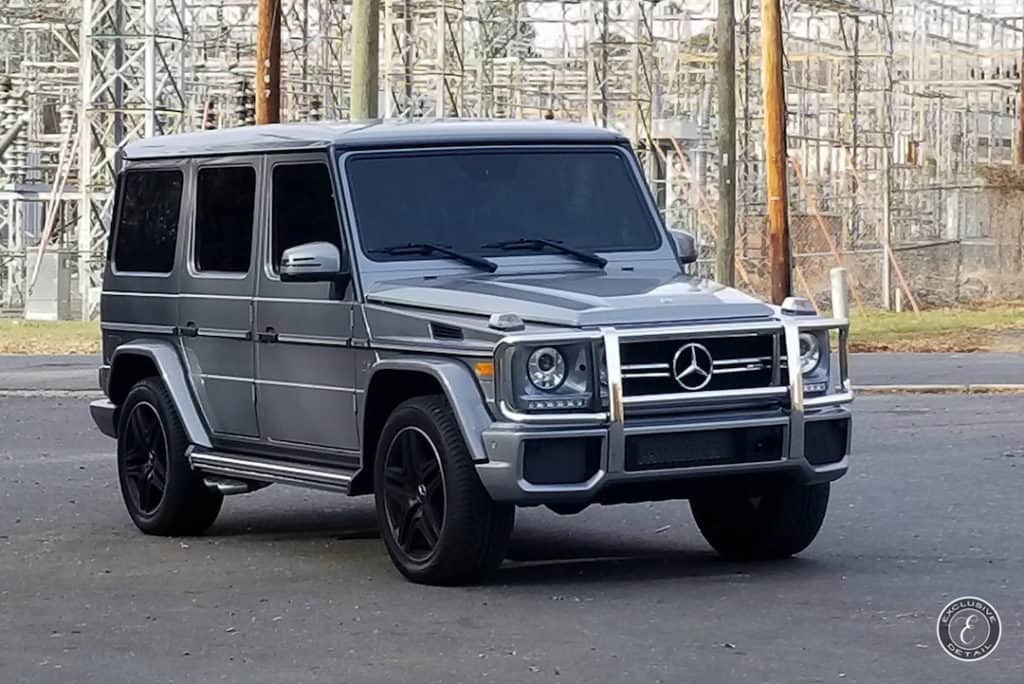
{"x": 892, "y": 104}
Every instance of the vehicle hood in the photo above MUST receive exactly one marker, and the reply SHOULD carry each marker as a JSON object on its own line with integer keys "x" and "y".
{"x": 577, "y": 299}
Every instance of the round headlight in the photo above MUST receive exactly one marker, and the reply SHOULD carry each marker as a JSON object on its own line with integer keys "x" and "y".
{"x": 810, "y": 352}
{"x": 546, "y": 368}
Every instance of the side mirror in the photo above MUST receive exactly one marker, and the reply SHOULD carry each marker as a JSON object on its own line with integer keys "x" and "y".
{"x": 686, "y": 247}
{"x": 312, "y": 262}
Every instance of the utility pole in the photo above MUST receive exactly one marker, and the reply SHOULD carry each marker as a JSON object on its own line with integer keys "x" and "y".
{"x": 365, "y": 58}
{"x": 725, "y": 255}
{"x": 887, "y": 229}
{"x": 268, "y": 62}
{"x": 775, "y": 149}
{"x": 1020, "y": 112}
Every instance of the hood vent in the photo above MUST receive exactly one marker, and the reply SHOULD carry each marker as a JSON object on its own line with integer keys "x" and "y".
{"x": 442, "y": 331}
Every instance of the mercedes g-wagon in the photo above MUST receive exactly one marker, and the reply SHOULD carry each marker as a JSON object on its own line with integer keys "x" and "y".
{"x": 459, "y": 318}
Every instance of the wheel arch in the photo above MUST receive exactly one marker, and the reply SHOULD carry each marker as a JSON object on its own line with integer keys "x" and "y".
{"x": 134, "y": 361}
{"x": 396, "y": 380}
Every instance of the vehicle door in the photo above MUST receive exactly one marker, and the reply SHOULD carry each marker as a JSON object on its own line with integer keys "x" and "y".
{"x": 216, "y": 288}
{"x": 306, "y": 394}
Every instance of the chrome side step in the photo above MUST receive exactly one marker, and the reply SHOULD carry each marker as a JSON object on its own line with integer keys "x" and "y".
{"x": 264, "y": 470}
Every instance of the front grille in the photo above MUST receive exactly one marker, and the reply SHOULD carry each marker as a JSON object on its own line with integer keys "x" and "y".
{"x": 738, "y": 362}
{"x": 704, "y": 447}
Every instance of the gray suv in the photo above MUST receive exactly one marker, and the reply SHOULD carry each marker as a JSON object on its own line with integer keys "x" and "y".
{"x": 458, "y": 317}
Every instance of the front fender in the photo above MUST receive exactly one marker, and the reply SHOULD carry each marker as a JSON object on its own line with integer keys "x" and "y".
{"x": 170, "y": 367}
{"x": 461, "y": 389}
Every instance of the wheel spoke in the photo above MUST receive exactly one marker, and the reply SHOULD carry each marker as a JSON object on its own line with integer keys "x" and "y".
{"x": 429, "y": 470}
{"x": 144, "y": 494}
{"x": 405, "y": 528}
{"x": 427, "y": 528}
{"x": 136, "y": 427}
{"x": 407, "y": 449}
{"x": 153, "y": 437}
{"x": 431, "y": 524}
{"x": 395, "y": 482}
{"x": 159, "y": 474}
{"x": 135, "y": 472}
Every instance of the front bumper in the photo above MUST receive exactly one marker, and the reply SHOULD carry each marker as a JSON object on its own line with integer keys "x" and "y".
{"x": 505, "y": 473}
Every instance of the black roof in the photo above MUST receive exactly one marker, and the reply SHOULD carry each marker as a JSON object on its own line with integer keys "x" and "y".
{"x": 364, "y": 135}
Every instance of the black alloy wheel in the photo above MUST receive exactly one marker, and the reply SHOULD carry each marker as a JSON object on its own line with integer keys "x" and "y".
{"x": 438, "y": 523}
{"x": 414, "y": 493}
{"x": 161, "y": 491}
{"x": 145, "y": 459}
{"x": 775, "y": 521}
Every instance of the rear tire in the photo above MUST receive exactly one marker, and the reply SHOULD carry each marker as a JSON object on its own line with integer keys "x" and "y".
{"x": 438, "y": 523}
{"x": 162, "y": 493}
{"x": 775, "y": 522}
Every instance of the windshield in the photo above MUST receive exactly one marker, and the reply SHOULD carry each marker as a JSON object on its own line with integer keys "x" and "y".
{"x": 471, "y": 201}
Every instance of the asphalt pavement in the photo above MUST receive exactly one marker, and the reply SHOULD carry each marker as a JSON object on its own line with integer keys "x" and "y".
{"x": 937, "y": 369}
{"x": 295, "y": 586}
{"x": 78, "y": 373}
{"x": 26, "y": 373}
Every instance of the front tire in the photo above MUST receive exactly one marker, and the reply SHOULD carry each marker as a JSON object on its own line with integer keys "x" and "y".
{"x": 438, "y": 523}
{"x": 775, "y": 522}
{"x": 162, "y": 493}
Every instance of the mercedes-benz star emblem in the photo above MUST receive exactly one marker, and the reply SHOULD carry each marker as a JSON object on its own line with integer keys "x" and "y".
{"x": 692, "y": 366}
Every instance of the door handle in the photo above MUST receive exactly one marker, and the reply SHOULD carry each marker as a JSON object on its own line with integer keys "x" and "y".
{"x": 269, "y": 335}
{"x": 188, "y": 330}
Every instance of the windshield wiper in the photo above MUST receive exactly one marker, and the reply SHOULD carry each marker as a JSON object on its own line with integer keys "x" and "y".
{"x": 537, "y": 244}
{"x": 428, "y": 248}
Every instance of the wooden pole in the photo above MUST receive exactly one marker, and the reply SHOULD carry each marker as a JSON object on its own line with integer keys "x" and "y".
{"x": 268, "y": 62}
{"x": 775, "y": 149}
{"x": 1020, "y": 112}
{"x": 725, "y": 250}
{"x": 365, "y": 67}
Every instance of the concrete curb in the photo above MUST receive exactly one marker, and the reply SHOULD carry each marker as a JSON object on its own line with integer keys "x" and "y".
{"x": 977, "y": 388}
{"x": 29, "y": 393}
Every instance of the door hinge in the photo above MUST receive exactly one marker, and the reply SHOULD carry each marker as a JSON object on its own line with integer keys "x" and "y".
{"x": 188, "y": 330}
{"x": 269, "y": 335}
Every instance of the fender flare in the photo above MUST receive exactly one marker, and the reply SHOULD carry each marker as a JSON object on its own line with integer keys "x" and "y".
{"x": 460, "y": 388}
{"x": 170, "y": 366}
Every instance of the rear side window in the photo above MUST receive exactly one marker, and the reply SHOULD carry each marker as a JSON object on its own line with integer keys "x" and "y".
{"x": 225, "y": 201}
{"x": 147, "y": 230}
{"x": 303, "y": 208}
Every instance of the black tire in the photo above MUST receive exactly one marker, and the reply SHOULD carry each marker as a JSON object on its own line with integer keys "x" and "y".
{"x": 162, "y": 493}
{"x": 438, "y": 523}
{"x": 776, "y": 522}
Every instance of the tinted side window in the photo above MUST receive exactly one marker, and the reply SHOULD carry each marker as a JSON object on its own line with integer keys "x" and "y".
{"x": 225, "y": 198}
{"x": 147, "y": 230}
{"x": 303, "y": 208}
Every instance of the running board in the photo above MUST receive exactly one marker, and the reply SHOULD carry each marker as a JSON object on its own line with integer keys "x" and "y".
{"x": 265, "y": 470}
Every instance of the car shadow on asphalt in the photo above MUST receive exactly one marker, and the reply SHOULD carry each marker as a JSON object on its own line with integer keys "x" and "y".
{"x": 538, "y": 554}
{"x": 349, "y": 523}
{"x": 656, "y": 566}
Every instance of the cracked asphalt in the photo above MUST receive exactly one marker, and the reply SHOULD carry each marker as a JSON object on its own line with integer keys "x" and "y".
{"x": 294, "y": 586}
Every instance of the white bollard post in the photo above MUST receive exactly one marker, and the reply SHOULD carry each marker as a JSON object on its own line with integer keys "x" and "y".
{"x": 840, "y": 294}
